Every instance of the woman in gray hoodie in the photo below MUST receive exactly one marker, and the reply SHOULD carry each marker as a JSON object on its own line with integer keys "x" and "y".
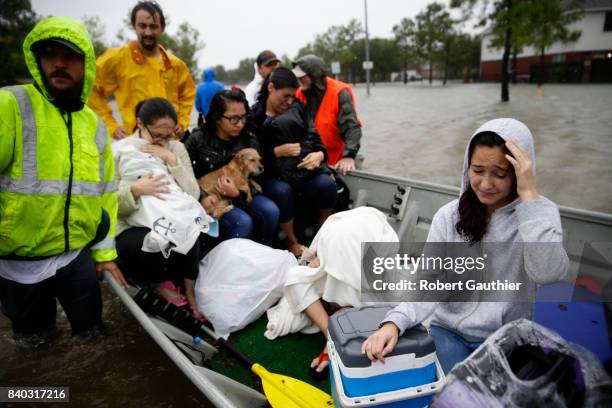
{"x": 499, "y": 203}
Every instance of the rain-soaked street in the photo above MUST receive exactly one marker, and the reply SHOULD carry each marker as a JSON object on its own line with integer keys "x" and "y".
{"x": 414, "y": 131}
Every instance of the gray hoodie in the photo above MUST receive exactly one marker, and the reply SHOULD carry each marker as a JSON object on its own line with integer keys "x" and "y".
{"x": 517, "y": 222}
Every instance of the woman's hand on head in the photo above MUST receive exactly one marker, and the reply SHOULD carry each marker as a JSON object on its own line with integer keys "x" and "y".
{"x": 161, "y": 152}
{"x": 288, "y": 150}
{"x": 381, "y": 343}
{"x": 150, "y": 185}
{"x": 227, "y": 187}
{"x": 311, "y": 161}
{"x": 523, "y": 168}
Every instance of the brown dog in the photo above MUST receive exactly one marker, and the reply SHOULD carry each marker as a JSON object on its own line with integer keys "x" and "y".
{"x": 246, "y": 163}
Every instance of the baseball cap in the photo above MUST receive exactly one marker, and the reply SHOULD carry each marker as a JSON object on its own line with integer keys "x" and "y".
{"x": 266, "y": 57}
{"x": 39, "y": 45}
{"x": 297, "y": 71}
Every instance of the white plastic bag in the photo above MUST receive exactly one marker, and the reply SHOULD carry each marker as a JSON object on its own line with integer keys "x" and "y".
{"x": 176, "y": 221}
{"x": 238, "y": 281}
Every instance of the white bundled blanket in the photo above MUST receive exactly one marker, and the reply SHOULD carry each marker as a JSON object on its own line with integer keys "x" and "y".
{"x": 338, "y": 278}
{"x": 175, "y": 222}
{"x": 238, "y": 281}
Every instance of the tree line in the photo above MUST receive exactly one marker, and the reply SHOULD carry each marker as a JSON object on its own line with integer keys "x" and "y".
{"x": 433, "y": 42}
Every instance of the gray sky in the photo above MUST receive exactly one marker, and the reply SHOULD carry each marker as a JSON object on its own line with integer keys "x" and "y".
{"x": 236, "y": 29}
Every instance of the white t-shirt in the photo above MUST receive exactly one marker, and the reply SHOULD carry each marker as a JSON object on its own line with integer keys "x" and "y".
{"x": 29, "y": 272}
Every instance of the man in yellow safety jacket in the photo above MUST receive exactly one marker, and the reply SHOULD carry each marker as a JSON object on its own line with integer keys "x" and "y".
{"x": 58, "y": 207}
{"x": 140, "y": 70}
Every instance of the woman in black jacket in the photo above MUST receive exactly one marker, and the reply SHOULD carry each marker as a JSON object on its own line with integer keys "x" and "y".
{"x": 213, "y": 146}
{"x": 293, "y": 154}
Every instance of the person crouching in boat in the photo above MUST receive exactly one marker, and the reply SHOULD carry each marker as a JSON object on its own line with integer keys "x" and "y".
{"x": 156, "y": 121}
{"x": 293, "y": 154}
{"x": 225, "y": 133}
{"x": 329, "y": 275}
{"x": 499, "y": 203}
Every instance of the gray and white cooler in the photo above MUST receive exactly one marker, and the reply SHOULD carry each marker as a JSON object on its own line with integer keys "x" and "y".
{"x": 409, "y": 377}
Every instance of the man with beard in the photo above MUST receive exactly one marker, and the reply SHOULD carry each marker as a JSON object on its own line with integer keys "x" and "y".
{"x": 58, "y": 207}
{"x": 140, "y": 70}
{"x": 331, "y": 105}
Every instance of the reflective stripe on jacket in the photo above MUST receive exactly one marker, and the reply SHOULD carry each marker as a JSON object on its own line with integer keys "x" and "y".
{"x": 326, "y": 119}
{"x": 60, "y": 178}
{"x": 56, "y": 168}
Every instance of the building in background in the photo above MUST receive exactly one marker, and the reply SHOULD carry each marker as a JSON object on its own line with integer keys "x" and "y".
{"x": 587, "y": 60}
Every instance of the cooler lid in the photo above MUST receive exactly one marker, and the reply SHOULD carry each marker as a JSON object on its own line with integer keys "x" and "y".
{"x": 349, "y": 328}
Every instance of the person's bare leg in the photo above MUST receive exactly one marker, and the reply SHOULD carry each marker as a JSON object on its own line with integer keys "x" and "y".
{"x": 316, "y": 312}
{"x": 190, "y": 293}
{"x": 165, "y": 292}
{"x": 323, "y": 214}
{"x": 292, "y": 242}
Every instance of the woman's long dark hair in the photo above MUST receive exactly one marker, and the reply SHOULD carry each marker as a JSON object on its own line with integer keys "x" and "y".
{"x": 218, "y": 106}
{"x": 473, "y": 218}
{"x": 281, "y": 78}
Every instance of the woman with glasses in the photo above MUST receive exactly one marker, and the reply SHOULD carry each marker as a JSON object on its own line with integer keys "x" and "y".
{"x": 213, "y": 146}
{"x": 293, "y": 154}
{"x": 171, "y": 259}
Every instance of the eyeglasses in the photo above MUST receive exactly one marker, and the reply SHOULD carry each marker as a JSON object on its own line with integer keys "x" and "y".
{"x": 155, "y": 136}
{"x": 235, "y": 119}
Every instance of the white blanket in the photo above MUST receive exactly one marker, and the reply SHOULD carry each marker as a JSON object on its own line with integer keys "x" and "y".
{"x": 176, "y": 221}
{"x": 238, "y": 281}
{"x": 338, "y": 278}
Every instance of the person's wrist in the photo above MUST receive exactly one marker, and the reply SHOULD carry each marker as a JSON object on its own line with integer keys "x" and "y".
{"x": 135, "y": 191}
{"x": 391, "y": 327}
{"x": 529, "y": 195}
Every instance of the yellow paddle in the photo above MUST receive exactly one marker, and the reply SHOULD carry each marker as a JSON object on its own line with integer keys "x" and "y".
{"x": 281, "y": 391}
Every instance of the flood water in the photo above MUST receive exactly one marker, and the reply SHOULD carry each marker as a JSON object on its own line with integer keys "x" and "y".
{"x": 415, "y": 131}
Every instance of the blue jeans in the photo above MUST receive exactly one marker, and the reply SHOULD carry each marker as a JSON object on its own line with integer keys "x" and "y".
{"x": 258, "y": 221}
{"x": 451, "y": 348}
{"x": 320, "y": 192}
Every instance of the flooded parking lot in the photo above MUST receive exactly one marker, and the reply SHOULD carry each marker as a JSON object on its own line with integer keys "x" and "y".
{"x": 415, "y": 131}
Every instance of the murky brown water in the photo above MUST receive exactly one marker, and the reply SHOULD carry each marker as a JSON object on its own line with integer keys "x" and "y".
{"x": 414, "y": 131}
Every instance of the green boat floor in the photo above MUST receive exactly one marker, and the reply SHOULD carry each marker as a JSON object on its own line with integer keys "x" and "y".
{"x": 289, "y": 355}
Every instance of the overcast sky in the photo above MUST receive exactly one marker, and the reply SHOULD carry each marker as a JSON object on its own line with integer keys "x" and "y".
{"x": 237, "y": 29}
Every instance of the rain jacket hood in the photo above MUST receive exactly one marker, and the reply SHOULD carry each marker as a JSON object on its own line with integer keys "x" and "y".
{"x": 506, "y": 128}
{"x": 208, "y": 75}
{"x": 67, "y": 29}
{"x": 313, "y": 66}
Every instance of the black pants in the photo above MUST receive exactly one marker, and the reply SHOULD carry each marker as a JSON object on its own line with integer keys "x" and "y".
{"x": 32, "y": 307}
{"x": 145, "y": 267}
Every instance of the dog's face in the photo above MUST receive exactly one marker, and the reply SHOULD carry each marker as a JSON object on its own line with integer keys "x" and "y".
{"x": 249, "y": 161}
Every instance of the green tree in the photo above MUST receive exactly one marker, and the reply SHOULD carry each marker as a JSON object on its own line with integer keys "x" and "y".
{"x": 404, "y": 34}
{"x": 220, "y": 73}
{"x": 433, "y": 26}
{"x": 185, "y": 44}
{"x": 503, "y": 18}
{"x": 547, "y": 23}
{"x": 16, "y": 20}
{"x": 337, "y": 44}
{"x": 96, "y": 31}
{"x": 243, "y": 74}
{"x": 464, "y": 58}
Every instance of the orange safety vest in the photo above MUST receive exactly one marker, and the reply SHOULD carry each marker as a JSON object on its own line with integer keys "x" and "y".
{"x": 326, "y": 120}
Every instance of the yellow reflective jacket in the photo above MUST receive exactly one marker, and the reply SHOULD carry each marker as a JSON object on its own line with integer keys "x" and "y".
{"x": 56, "y": 167}
{"x": 131, "y": 77}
